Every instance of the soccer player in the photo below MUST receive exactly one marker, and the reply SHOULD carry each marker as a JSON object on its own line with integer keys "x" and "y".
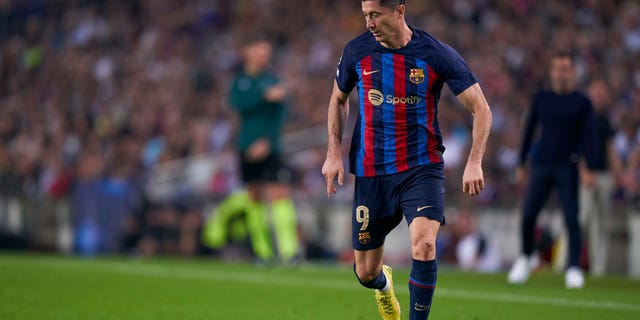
{"x": 396, "y": 149}
{"x": 259, "y": 98}
{"x": 564, "y": 117}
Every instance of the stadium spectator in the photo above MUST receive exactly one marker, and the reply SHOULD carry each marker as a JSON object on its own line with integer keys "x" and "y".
{"x": 596, "y": 192}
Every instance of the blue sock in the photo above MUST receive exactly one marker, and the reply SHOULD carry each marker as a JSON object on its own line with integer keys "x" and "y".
{"x": 422, "y": 284}
{"x": 379, "y": 282}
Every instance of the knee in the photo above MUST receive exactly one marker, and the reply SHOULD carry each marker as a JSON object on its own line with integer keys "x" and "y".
{"x": 423, "y": 249}
{"x": 366, "y": 273}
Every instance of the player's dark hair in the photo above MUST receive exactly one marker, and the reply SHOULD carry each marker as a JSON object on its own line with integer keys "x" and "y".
{"x": 391, "y": 4}
{"x": 255, "y": 38}
{"x": 562, "y": 54}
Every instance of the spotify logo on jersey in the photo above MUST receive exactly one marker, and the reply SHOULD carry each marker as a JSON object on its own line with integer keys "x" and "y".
{"x": 375, "y": 96}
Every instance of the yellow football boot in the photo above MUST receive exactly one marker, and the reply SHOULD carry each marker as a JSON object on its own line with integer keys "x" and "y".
{"x": 388, "y": 304}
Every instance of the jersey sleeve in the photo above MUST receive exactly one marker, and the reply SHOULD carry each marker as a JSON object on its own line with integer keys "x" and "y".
{"x": 346, "y": 75}
{"x": 529, "y": 130}
{"x": 456, "y": 72}
{"x": 269, "y": 80}
{"x": 248, "y": 95}
{"x": 589, "y": 135}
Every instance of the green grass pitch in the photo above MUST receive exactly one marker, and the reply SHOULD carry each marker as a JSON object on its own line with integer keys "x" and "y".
{"x": 49, "y": 287}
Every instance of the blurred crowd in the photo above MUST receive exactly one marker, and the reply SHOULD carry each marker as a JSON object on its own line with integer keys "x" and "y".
{"x": 95, "y": 94}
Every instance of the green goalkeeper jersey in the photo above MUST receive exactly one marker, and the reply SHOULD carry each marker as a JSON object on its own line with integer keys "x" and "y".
{"x": 259, "y": 118}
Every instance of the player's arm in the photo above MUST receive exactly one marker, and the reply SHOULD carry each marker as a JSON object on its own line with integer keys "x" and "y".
{"x": 531, "y": 121}
{"x": 337, "y": 117}
{"x": 242, "y": 102}
{"x": 276, "y": 93}
{"x": 473, "y": 99}
{"x": 587, "y": 147}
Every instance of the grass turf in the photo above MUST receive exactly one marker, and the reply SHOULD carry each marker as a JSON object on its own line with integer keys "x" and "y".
{"x": 49, "y": 287}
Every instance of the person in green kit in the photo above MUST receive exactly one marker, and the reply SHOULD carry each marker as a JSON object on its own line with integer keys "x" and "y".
{"x": 259, "y": 99}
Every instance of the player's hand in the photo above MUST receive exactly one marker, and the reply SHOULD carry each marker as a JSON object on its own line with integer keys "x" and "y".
{"x": 258, "y": 150}
{"x": 472, "y": 179}
{"x": 276, "y": 93}
{"x": 333, "y": 166}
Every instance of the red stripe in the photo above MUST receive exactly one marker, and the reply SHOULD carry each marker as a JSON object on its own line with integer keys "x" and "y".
{"x": 400, "y": 112}
{"x": 431, "y": 111}
{"x": 369, "y": 159}
{"x": 421, "y": 285}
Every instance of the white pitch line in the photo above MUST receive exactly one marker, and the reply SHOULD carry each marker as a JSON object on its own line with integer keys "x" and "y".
{"x": 528, "y": 299}
{"x": 252, "y": 278}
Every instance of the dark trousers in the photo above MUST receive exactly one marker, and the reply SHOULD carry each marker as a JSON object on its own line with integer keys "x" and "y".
{"x": 541, "y": 181}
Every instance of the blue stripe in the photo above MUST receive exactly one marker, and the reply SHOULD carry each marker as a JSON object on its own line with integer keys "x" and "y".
{"x": 359, "y": 162}
{"x": 378, "y": 114}
{"x": 388, "y": 114}
{"x": 421, "y": 114}
{"x": 412, "y": 128}
{"x": 436, "y": 124}
{"x": 422, "y": 283}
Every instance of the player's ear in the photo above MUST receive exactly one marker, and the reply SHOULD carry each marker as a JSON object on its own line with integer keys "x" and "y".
{"x": 400, "y": 10}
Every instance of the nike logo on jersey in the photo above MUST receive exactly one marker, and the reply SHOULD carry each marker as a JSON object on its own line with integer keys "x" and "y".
{"x": 366, "y": 73}
{"x": 424, "y": 207}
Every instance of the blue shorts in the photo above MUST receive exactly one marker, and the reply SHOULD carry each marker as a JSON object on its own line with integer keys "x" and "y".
{"x": 380, "y": 202}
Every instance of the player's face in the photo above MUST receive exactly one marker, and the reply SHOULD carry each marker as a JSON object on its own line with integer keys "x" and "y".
{"x": 381, "y": 21}
{"x": 562, "y": 74}
{"x": 258, "y": 54}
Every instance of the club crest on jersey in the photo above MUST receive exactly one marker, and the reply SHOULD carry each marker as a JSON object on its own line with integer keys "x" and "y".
{"x": 416, "y": 75}
{"x": 364, "y": 237}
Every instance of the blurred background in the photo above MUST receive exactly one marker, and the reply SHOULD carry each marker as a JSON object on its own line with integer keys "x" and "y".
{"x": 116, "y": 136}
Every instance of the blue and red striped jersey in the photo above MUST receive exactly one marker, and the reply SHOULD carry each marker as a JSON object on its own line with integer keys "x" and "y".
{"x": 397, "y": 126}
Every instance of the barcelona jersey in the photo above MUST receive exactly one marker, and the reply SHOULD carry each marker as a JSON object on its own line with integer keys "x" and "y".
{"x": 398, "y": 90}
